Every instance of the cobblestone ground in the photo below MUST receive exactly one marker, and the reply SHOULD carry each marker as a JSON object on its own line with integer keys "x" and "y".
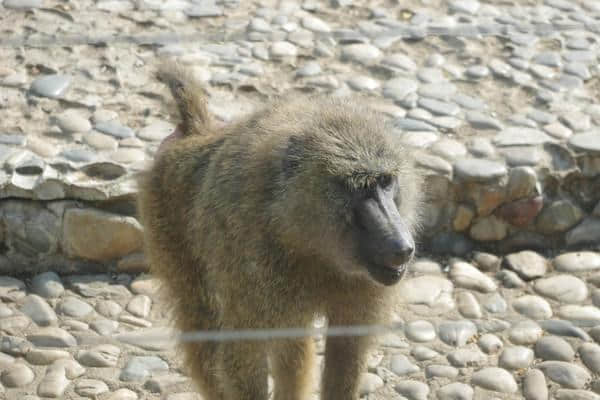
{"x": 481, "y": 327}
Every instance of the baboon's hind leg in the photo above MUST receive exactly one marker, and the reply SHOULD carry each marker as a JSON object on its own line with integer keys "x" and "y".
{"x": 292, "y": 362}
{"x": 203, "y": 362}
{"x": 245, "y": 370}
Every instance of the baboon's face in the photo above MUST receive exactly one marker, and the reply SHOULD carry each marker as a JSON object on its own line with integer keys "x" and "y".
{"x": 379, "y": 235}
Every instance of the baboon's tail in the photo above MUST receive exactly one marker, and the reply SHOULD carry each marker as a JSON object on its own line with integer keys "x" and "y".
{"x": 190, "y": 98}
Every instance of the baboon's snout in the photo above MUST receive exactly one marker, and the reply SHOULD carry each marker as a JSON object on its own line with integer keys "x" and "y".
{"x": 386, "y": 243}
{"x": 396, "y": 252}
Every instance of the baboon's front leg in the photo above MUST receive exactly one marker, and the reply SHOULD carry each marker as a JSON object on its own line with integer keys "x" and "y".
{"x": 292, "y": 362}
{"x": 246, "y": 371}
{"x": 345, "y": 360}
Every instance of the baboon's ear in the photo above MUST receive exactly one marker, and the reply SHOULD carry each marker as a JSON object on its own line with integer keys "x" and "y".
{"x": 292, "y": 156}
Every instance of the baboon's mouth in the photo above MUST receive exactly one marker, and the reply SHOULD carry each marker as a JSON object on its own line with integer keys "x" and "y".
{"x": 386, "y": 275}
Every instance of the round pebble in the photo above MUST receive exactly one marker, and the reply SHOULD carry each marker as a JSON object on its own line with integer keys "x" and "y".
{"x": 534, "y": 385}
{"x": 516, "y": 357}
{"x": 17, "y": 376}
{"x": 496, "y": 379}
{"x": 562, "y": 288}
{"x": 419, "y": 331}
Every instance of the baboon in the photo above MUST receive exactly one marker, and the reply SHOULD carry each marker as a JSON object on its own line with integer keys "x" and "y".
{"x": 307, "y": 207}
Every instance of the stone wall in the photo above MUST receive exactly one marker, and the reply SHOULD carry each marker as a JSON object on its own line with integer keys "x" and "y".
{"x": 475, "y": 203}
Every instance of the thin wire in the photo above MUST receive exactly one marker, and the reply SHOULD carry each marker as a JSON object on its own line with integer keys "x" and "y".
{"x": 286, "y": 333}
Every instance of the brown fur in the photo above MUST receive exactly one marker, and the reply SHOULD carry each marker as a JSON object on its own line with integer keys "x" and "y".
{"x": 243, "y": 227}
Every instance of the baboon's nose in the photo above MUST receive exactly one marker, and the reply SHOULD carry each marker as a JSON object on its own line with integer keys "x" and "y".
{"x": 398, "y": 253}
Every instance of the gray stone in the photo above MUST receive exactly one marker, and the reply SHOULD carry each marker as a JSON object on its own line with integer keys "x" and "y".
{"x": 115, "y": 129}
{"x": 575, "y": 394}
{"x": 587, "y": 232}
{"x": 398, "y": 88}
{"x": 22, "y": 4}
{"x": 448, "y": 148}
{"x": 45, "y": 356}
{"x": 467, "y": 357}
{"x": 432, "y": 291}
{"x": 369, "y": 383}
{"x": 126, "y": 394}
{"x": 203, "y": 10}
{"x": 439, "y": 107}
{"x": 489, "y": 228}
{"x": 311, "y": 68}
{"x": 17, "y": 375}
{"x": 14, "y": 345}
{"x": 490, "y": 343}
{"x": 139, "y": 368}
{"x": 496, "y": 379}
{"x": 413, "y": 390}
{"x": 108, "y": 308}
{"x": 527, "y": 264}
{"x": 477, "y": 71}
{"x": 100, "y": 141}
{"x": 465, "y": 275}
{"x": 52, "y": 86}
{"x": 422, "y": 353}
{"x": 431, "y": 75}
{"x": 440, "y": 371}
{"x": 315, "y": 24}
{"x": 554, "y": 348}
{"x": 74, "y": 307}
{"x": 558, "y": 130}
{"x": 578, "y": 122}
{"x": 559, "y": 216}
{"x": 140, "y": 306}
{"x": 517, "y": 136}
{"x": 100, "y": 356}
{"x": 457, "y": 333}
{"x": 419, "y": 331}
{"x": 478, "y": 170}
{"x": 569, "y": 375}
{"x": 590, "y": 355}
{"x": 362, "y": 53}
{"x": 562, "y": 288}
{"x": 525, "y": 332}
{"x": 72, "y": 121}
{"x": 522, "y": 183}
{"x": 104, "y": 327}
{"x": 51, "y": 337}
{"x": 455, "y": 391}
{"x": 575, "y": 262}
{"x": 38, "y": 310}
{"x": 363, "y": 83}
{"x": 54, "y": 383}
{"x": 534, "y": 385}
{"x": 440, "y": 91}
{"x": 468, "y": 305}
{"x": 98, "y": 235}
{"x": 464, "y": 6}
{"x": 90, "y": 387}
{"x": 283, "y": 49}
{"x": 401, "y": 365}
{"x": 481, "y": 147}
{"x": 586, "y": 141}
{"x": 48, "y": 285}
{"x": 479, "y": 120}
{"x": 580, "y": 70}
{"x": 153, "y": 339}
{"x": 516, "y": 357}
{"x": 78, "y": 154}
{"x": 400, "y": 61}
{"x": 156, "y": 131}
{"x": 533, "y": 307}
{"x": 564, "y": 328}
{"x": 586, "y": 316}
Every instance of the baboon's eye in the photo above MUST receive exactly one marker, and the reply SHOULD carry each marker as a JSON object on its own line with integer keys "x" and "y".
{"x": 385, "y": 181}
